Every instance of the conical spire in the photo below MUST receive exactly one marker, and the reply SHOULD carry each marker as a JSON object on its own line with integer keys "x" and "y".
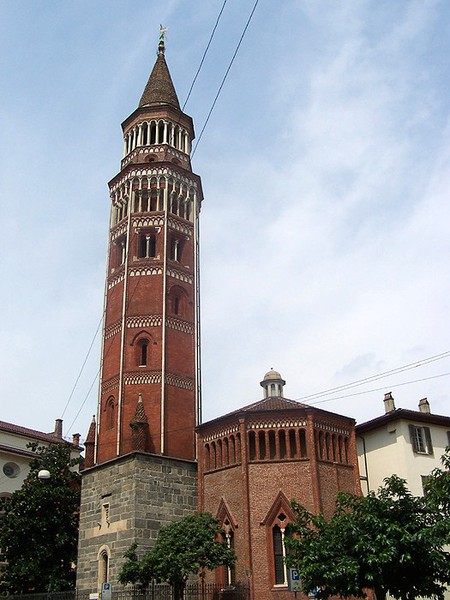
{"x": 160, "y": 89}
{"x": 139, "y": 425}
{"x": 89, "y": 445}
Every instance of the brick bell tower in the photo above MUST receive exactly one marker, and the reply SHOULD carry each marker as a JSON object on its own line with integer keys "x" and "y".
{"x": 149, "y": 396}
{"x": 140, "y": 470}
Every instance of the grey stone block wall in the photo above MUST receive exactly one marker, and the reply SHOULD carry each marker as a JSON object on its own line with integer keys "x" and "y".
{"x": 143, "y": 492}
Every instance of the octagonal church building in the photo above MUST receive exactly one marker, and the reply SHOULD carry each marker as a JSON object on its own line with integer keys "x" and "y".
{"x": 254, "y": 461}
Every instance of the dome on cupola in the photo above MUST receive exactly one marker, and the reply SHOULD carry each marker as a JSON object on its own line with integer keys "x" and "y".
{"x": 273, "y": 384}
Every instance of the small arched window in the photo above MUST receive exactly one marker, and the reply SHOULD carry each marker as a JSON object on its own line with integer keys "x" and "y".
{"x": 207, "y": 457}
{"x": 252, "y": 445}
{"x": 262, "y": 445}
{"x": 229, "y": 539}
{"x": 103, "y": 565}
{"x": 175, "y": 249}
{"x": 147, "y": 245}
{"x": 143, "y": 352}
{"x": 282, "y": 443}
{"x": 279, "y": 550}
{"x": 110, "y": 412}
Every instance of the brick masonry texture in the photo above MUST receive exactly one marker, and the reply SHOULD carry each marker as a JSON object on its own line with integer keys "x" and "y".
{"x": 144, "y": 492}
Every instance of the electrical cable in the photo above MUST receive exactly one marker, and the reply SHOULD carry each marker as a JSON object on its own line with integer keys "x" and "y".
{"x": 82, "y": 367}
{"x": 395, "y": 385}
{"x": 110, "y": 345}
{"x": 371, "y": 378}
{"x": 204, "y": 54}
{"x": 224, "y": 78}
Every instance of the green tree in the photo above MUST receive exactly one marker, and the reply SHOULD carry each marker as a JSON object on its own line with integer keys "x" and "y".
{"x": 391, "y": 542}
{"x": 185, "y": 547}
{"x": 39, "y": 530}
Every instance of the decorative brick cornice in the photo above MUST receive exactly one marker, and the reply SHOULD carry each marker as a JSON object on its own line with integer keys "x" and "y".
{"x": 141, "y": 150}
{"x": 144, "y": 321}
{"x": 276, "y": 424}
{"x": 110, "y": 384}
{"x": 148, "y": 221}
{"x": 180, "y": 275}
{"x": 141, "y": 271}
{"x": 221, "y": 433}
{"x": 185, "y": 228}
{"x": 150, "y": 171}
{"x": 118, "y": 231}
{"x": 332, "y": 428}
{"x": 186, "y": 383}
{"x": 112, "y": 281}
{"x": 138, "y": 378}
{"x": 183, "y": 326}
{"x": 112, "y": 329}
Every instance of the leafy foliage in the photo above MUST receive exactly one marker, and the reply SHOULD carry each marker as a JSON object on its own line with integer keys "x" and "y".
{"x": 185, "y": 547}
{"x": 39, "y": 531}
{"x": 391, "y": 542}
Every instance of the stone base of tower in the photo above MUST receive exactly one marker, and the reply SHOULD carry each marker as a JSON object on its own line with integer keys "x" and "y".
{"x": 126, "y": 501}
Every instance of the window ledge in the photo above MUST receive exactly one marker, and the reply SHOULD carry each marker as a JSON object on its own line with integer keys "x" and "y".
{"x": 279, "y": 587}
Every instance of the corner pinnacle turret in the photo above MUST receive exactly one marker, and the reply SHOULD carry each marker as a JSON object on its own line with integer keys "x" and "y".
{"x": 160, "y": 89}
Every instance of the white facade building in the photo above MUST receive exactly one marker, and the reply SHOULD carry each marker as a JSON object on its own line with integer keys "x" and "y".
{"x": 403, "y": 442}
{"x": 15, "y": 456}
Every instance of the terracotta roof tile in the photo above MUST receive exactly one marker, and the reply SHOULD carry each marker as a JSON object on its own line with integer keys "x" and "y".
{"x": 159, "y": 89}
{"x": 24, "y": 431}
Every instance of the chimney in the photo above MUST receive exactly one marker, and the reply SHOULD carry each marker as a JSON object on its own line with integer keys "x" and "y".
{"x": 76, "y": 439}
{"x": 58, "y": 428}
{"x": 424, "y": 406}
{"x": 389, "y": 404}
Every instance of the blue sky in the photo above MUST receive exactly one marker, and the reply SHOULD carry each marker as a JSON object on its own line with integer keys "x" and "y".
{"x": 326, "y": 174}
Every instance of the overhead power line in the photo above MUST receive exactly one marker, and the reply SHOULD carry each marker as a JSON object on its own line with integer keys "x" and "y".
{"x": 395, "y": 385}
{"x": 196, "y": 145}
{"x": 225, "y": 77}
{"x": 204, "y": 54}
{"x": 378, "y": 376}
{"x": 82, "y": 368}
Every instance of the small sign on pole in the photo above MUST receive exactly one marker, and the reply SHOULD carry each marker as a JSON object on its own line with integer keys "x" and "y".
{"x": 294, "y": 583}
{"x": 106, "y": 591}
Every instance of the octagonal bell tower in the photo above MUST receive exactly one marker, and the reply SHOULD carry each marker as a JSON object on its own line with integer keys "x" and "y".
{"x": 140, "y": 469}
{"x": 149, "y": 398}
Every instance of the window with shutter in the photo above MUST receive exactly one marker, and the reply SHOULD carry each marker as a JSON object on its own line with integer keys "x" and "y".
{"x": 421, "y": 439}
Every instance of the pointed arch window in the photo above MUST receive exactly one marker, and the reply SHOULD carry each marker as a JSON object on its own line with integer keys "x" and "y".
{"x": 143, "y": 352}
{"x": 228, "y": 526}
{"x": 229, "y": 539}
{"x": 110, "y": 407}
{"x": 178, "y": 302}
{"x": 276, "y": 521}
{"x": 279, "y": 554}
{"x": 103, "y": 558}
